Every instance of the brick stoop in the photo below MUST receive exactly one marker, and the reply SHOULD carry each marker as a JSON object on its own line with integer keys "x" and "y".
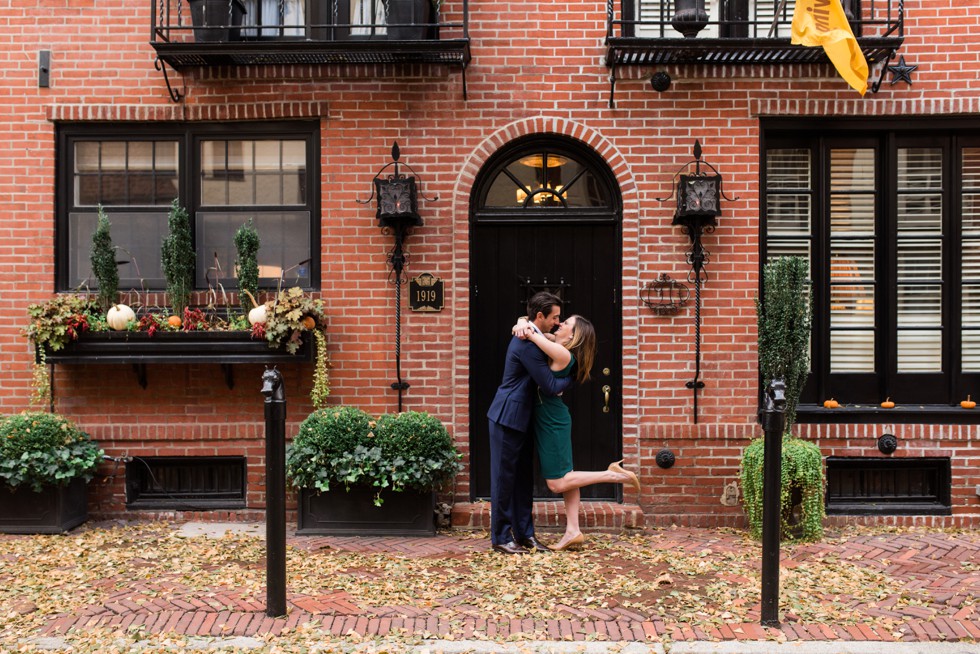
{"x": 609, "y": 517}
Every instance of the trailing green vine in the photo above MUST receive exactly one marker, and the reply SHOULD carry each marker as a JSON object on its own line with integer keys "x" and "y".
{"x": 247, "y": 264}
{"x": 177, "y": 257}
{"x": 802, "y": 488}
{"x": 103, "y": 261}
{"x": 321, "y": 372}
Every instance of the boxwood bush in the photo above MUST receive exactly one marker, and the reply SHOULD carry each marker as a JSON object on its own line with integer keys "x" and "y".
{"x": 343, "y": 445}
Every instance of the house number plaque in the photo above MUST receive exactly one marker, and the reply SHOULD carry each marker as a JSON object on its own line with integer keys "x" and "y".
{"x": 425, "y": 293}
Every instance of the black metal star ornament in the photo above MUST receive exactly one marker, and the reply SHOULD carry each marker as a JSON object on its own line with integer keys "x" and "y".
{"x": 902, "y": 72}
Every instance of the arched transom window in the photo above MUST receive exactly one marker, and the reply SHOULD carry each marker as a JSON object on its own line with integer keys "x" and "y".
{"x": 543, "y": 175}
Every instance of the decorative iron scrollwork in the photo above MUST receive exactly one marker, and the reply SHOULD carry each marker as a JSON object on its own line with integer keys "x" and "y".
{"x": 665, "y": 296}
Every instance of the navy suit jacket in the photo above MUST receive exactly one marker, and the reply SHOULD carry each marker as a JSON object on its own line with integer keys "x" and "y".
{"x": 525, "y": 370}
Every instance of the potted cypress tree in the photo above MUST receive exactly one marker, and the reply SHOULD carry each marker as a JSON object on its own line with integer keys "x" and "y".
{"x": 45, "y": 462}
{"x": 784, "y": 320}
{"x": 358, "y": 476}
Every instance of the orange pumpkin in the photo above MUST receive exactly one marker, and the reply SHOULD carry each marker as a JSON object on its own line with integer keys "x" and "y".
{"x": 174, "y": 321}
{"x": 831, "y": 404}
{"x": 888, "y": 404}
{"x": 968, "y": 403}
{"x": 308, "y": 322}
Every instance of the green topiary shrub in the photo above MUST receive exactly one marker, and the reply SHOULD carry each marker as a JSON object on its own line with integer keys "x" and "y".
{"x": 247, "y": 264}
{"x": 342, "y": 445}
{"x": 177, "y": 256}
{"x": 40, "y": 449}
{"x": 103, "y": 261}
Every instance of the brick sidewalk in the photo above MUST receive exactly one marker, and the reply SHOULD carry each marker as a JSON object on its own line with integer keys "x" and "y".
{"x": 933, "y": 582}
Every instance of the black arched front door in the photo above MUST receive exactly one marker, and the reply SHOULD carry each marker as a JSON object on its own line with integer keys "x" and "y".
{"x": 546, "y": 215}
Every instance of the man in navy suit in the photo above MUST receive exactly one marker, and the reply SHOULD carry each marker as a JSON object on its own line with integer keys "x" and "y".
{"x": 511, "y": 464}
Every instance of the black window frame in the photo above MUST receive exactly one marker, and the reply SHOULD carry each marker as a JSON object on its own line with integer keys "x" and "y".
{"x": 929, "y": 397}
{"x": 188, "y": 135}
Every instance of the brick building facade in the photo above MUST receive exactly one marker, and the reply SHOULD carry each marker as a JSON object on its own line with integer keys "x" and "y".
{"x": 536, "y": 82}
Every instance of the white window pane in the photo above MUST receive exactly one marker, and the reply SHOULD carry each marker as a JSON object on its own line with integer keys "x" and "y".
{"x": 920, "y": 259}
{"x": 852, "y": 351}
{"x": 137, "y": 238}
{"x": 788, "y": 214}
{"x": 852, "y": 214}
{"x": 788, "y": 169}
{"x": 285, "y": 243}
{"x": 920, "y": 306}
{"x": 970, "y": 360}
{"x": 971, "y": 260}
{"x": 920, "y": 351}
{"x": 971, "y": 168}
{"x": 920, "y": 168}
{"x": 852, "y": 306}
{"x": 786, "y": 248}
{"x": 852, "y": 260}
{"x": 852, "y": 169}
{"x": 920, "y": 212}
{"x": 971, "y": 214}
{"x": 971, "y": 305}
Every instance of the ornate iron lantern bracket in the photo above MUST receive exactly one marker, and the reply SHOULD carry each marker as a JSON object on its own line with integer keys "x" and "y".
{"x": 397, "y": 212}
{"x": 698, "y": 203}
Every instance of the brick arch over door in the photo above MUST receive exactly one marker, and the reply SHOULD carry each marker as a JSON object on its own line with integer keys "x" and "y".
{"x": 576, "y": 136}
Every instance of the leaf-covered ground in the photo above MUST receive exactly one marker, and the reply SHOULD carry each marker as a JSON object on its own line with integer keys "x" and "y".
{"x": 687, "y": 583}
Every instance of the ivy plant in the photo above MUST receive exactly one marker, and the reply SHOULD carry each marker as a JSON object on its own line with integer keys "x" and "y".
{"x": 103, "y": 260}
{"x": 39, "y": 449}
{"x": 177, "y": 257}
{"x": 801, "y": 488}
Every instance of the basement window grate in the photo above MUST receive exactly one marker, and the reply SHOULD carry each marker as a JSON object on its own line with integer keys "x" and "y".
{"x": 186, "y": 483}
{"x": 898, "y": 486}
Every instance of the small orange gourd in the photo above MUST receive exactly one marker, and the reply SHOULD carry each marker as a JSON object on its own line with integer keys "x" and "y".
{"x": 888, "y": 404}
{"x": 968, "y": 403}
{"x": 174, "y": 321}
{"x": 831, "y": 404}
{"x": 309, "y": 322}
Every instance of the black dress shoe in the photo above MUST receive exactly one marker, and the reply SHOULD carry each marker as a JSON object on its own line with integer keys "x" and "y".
{"x": 510, "y": 547}
{"x": 533, "y": 543}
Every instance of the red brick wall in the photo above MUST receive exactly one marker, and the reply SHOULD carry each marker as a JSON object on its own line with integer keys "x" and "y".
{"x": 530, "y": 73}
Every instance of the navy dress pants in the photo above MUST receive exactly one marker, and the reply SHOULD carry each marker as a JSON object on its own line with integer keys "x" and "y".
{"x": 511, "y": 484}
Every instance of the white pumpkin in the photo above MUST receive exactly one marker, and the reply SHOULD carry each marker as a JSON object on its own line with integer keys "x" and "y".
{"x": 119, "y": 316}
{"x": 257, "y": 315}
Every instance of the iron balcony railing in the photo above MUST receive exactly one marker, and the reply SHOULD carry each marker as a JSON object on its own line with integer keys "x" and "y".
{"x": 259, "y": 32}
{"x": 736, "y": 31}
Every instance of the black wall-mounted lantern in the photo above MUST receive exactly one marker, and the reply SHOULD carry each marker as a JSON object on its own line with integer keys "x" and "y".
{"x": 397, "y": 212}
{"x": 698, "y": 205}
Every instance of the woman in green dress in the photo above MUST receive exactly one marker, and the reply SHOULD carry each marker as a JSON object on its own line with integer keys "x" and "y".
{"x": 571, "y": 353}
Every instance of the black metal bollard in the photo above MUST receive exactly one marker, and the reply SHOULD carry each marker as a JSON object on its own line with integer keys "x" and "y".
{"x": 773, "y": 417}
{"x": 275, "y": 492}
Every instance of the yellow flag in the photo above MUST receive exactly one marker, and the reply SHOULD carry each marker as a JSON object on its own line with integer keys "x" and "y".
{"x": 822, "y": 22}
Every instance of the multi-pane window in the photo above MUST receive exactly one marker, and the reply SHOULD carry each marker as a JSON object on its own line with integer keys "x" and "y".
{"x": 224, "y": 175}
{"x": 890, "y": 223}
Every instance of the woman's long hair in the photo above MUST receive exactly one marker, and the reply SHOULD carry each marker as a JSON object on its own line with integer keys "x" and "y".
{"x": 582, "y": 347}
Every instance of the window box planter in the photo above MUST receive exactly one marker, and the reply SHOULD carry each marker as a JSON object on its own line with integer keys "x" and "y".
{"x": 53, "y": 510}
{"x": 226, "y": 347}
{"x": 139, "y": 348}
{"x": 352, "y": 512}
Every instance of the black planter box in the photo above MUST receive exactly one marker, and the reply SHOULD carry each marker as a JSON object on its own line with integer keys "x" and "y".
{"x": 53, "y": 510}
{"x": 175, "y": 347}
{"x": 353, "y": 513}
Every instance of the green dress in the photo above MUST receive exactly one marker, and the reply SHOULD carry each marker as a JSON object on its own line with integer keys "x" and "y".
{"x": 553, "y": 431}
